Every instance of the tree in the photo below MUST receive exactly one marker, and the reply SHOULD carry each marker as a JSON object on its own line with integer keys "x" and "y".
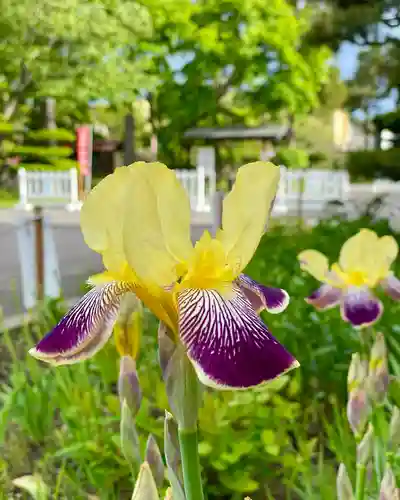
{"x": 230, "y": 61}
{"x": 72, "y": 51}
{"x": 362, "y": 22}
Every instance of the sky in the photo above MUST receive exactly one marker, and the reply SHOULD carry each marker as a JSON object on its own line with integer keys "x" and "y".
{"x": 346, "y": 60}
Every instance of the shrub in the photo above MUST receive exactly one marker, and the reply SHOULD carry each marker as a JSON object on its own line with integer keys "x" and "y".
{"x": 292, "y": 157}
{"x": 367, "y": 165}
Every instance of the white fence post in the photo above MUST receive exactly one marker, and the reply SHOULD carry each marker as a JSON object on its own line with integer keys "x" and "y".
{"x": 201, "y": 188}
{"x": 74, "y": 203}
{"x": 216, "y": 210}
{"x": 23, "y": 189}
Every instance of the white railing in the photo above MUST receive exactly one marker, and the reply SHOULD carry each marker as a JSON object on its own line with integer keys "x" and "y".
{"x": 200, "y": 186}
{"x": 37, "y": 187}
{"x": 314, "y": 188}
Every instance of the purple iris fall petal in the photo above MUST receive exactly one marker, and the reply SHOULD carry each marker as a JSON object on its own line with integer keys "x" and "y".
{"x": 84, "y": 329}
{"x": 325, "y": 297}
{"x": 391, "y": 286}
{"x": 227, "y": 342}
{"x": 261, "y": 297}
{"x": 360, "y": 308}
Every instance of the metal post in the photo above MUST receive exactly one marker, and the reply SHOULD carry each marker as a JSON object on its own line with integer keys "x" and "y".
{"x": 129, "y": 139}
{"x": 39, "y": 251}
{"x": 217, "y": 211}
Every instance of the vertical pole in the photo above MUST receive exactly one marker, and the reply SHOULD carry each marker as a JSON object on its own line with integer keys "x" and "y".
{"x": 74, "y": 177}
{"x": 129, "y": 139}
{"x": 217, "y": 211}
{"x": 81, "y": 187}
{"x": 201, "y": 188}
{"x": 39, "y": 251}
{"x": 23, "y": 187}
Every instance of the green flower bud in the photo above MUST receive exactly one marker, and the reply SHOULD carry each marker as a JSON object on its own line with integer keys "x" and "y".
{"x": 378, "y": 378}
{"x": 357, "y": 374}
{"x": 128, "y": 385}
{"x": 343, "y": 484}
{"x": 129, "y": 437}
{"x": 173, "y": 457}
{"x": 145, "y": 487}
{"x": 155, "y": 461}
{"x": 365, "y": 447}
{"x": 388, "y": 487}
{"x": 358, "y": 409}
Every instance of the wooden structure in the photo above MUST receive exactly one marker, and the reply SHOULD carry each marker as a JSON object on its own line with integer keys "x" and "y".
{"x": 273, "y": 133}
{"x": 268, "y": 135}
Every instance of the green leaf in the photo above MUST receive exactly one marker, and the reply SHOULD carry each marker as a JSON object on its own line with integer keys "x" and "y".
{"x": 268, "y": 437}
{"x": 239, "y": 481}
{"x": 205, "y": 448}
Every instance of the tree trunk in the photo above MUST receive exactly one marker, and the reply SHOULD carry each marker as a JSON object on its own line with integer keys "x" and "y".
{"x": 129, "y": 139}
{"x": 48, "y": 115}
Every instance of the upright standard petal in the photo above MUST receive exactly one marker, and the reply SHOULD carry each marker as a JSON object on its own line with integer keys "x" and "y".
{"x": 325, "y": 297}
{"x": 156, "y": 224}
{"x": 245, "y": 211}
{"x": 314, "y": 263}
{"x": 101, "y": 220}
{"x": 227, "y": 342}
{"x": 85, "y": 329}
{"x": 274, "y": 300}
{"x": 360, "y": 254}
{"x": 360, "y": 308}
{"x": 387, "y": 253}
{"x": 391, "y": 286}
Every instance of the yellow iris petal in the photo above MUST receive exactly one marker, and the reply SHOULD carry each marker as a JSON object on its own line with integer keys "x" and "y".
{"x": 156, "y": 224}
{"x": 101, "y": 220}
{"x": 161, "y": 304}
{"x": 387, "y": 250}
{"x": 245, "y": 211}
{"x": 359, "y": 252}
{"x": 315, "y": 263}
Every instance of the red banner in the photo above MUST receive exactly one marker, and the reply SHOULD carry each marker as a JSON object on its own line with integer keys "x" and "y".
{"x": 84, "y": 149}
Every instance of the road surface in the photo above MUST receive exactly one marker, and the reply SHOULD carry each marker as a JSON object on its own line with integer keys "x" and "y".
{"x": 76, "y": 260}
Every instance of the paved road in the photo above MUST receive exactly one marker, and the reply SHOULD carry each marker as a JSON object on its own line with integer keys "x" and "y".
{"x": 76, "y": 260}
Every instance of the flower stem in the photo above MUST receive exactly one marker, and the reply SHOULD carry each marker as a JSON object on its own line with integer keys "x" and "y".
{"x": 191, "y": 465}
{"x": 360, "y": 481}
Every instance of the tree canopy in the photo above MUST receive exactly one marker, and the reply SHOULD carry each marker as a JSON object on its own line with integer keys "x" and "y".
{"x": 73, "y": 51}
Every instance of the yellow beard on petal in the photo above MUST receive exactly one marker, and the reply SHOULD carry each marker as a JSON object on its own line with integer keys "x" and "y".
{"x": 208, "y": 268}
{"x": 356, "y": 278}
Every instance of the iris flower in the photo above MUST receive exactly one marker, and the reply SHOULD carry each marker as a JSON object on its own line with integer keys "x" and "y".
{"x": 138, "y": 219}
{"x": 364, "y": 264}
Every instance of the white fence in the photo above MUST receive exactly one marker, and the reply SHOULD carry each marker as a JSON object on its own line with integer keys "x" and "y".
{"x": 44, "y": 187}
{"x": 311, "y": 189}
{"x": 200, "y": 186}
